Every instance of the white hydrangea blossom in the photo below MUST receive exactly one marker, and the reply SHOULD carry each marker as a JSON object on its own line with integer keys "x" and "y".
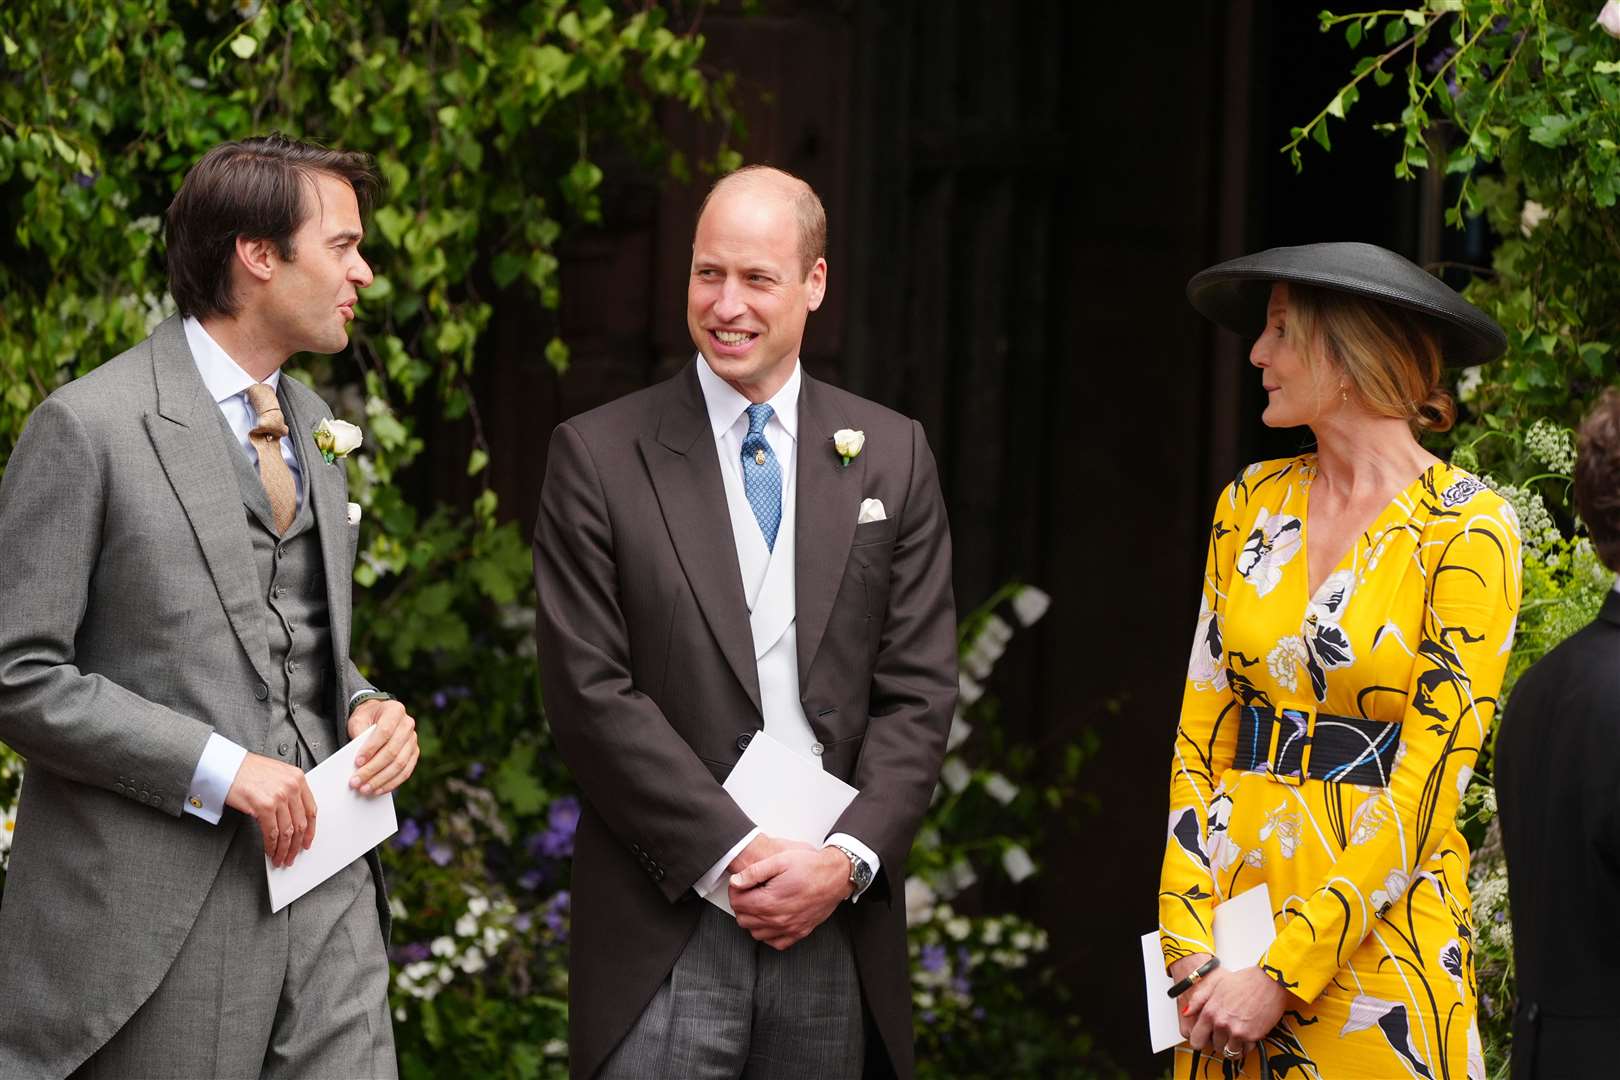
{"x": 1551, "y": 444}
{"x": 1538, "y": 532}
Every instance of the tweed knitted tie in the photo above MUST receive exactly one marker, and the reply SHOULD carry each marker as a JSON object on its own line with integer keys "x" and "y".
{"x": 762, "y": 476}
{"x": 273, "y": 472}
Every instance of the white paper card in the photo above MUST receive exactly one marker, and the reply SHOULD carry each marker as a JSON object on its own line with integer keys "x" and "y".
{"x": 348, "y": 824}
{"x": 787, "y": 795}
{"x": 1243, "y": 932}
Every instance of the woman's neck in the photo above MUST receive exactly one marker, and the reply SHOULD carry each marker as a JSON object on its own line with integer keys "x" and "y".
{"x": 1367, "y": 454}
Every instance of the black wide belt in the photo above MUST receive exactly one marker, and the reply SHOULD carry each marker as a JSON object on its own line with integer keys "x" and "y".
{"x": 1296, "y": 743}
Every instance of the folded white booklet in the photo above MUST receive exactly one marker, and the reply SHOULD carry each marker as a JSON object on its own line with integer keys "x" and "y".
{"x": 1243, "y": 932}
{"x": 789, "y": 796}
{"x": 347, "y": 825}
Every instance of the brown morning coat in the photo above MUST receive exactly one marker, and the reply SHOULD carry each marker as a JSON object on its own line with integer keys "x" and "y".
{"x": 651, "y": 687}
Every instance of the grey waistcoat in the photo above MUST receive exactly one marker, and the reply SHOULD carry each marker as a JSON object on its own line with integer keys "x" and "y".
{"x": 293, "y": 585}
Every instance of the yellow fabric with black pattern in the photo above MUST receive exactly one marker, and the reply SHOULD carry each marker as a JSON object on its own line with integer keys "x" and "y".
{"x": 1368, "y": 883}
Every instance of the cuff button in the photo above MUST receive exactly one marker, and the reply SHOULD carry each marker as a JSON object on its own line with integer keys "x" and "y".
{"x": 196, "y": 803}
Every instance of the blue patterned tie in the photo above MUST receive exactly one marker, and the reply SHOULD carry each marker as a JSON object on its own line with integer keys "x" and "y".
{"x": 762, "y": 476}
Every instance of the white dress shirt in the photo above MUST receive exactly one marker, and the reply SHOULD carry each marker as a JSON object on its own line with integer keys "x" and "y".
{"x": 767, "y": 575}
{"x": 228, "y": 384}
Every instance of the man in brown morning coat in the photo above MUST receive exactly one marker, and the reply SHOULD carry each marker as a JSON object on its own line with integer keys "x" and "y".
{"x": 655, "y": 680}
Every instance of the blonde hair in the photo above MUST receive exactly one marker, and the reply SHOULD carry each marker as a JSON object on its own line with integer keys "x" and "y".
{"x": 1390, "y": 358}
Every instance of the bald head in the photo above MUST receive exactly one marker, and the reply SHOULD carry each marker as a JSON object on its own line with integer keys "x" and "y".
{"x": 772, "y": 183}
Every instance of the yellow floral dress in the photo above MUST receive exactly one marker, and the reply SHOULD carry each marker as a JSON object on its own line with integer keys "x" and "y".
{"x": 1368, "y": 883}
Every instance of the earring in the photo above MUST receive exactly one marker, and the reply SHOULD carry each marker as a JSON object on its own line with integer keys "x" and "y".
{"x": 1344, "y": 396}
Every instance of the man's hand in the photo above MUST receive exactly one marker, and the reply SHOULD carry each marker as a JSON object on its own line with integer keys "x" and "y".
{"x": 391, "y": 756}
{"x": 783, "y": 897}
{"x": 275, "y": 795}
{"x": 761, "y": 847}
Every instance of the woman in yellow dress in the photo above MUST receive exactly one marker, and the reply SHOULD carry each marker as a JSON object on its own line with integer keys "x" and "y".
{"x": 1358, "y": 611}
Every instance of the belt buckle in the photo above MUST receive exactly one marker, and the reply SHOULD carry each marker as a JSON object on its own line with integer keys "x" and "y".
{"x": 1308, "y": 712}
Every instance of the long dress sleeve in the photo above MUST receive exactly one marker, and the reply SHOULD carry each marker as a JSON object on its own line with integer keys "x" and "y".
{"x": 1470, "y": 561}
{"x": 1206, "y": 742}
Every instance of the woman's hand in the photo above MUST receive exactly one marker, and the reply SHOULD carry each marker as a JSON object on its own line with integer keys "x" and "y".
{"x": 1229, "y": 1011}
{"x": 1180, "y": 970}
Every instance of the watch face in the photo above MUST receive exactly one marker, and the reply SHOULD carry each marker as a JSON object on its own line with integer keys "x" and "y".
{"x": 863, "y": 874}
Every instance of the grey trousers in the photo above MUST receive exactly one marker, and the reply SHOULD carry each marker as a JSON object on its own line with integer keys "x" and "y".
{"x": 734, "y": 1008}
{"x": 300, "y": 993}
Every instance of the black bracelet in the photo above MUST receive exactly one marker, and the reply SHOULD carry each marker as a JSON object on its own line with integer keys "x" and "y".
{"x": 1192, "y": 979}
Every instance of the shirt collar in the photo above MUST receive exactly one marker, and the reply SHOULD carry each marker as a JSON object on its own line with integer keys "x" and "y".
{"x": 223, "y": 377}
{"x": 725, "y": 405}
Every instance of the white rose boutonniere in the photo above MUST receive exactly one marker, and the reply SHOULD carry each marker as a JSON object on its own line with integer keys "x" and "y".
{"x": 848, "y": 444}
{"x": 336, "y": 439}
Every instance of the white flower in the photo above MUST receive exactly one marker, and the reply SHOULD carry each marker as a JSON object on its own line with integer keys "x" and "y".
{"x": 478, "y": 906}
{"x": 8, "y": 827}
{"x": 919, "y": 901}
{"x": 1029, "y": 604}
{"x": 960, "y": 730}
{"x": 443, "y": 946}
{"x": 967, "y": 690}
{"x": 958, "y": 928}
{"x": 472, "y": 961}
{"x": 848, "y": 443}
{"x": 1395, "y": 885}
{"x": 955, "y": 774}
{"x": 1274, "y": 541}
{"x": 991, "y": 933}
{"x": 1207, "y": 667}
{"x": 1469, "y": 382}
{"x": 1533, "y": 213}
{"x": 337, "y": 438}
{"x": 555, "y": 1048}
{"x": 1285, "y": 660}
{"x": 1016, "y": 861}
{"x": 1001, "y": 789}
{"x": 1609, "y": 18}
{"x": 466, "y": 926}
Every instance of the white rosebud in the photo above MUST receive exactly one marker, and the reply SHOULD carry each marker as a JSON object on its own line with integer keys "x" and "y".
{"x": 999, "y": 631}
{"x": 1029, "y": 604}
{"x": 466, "y": 926}
{"x": 477, "y": 906}
{"x": 399, "y": 1014}
{"x": 848, "y": 443}
{"x": 960, "y": 730}
{"x": 1000, "y": 788}
{"x": 962, "y": 876}
{"x": 442, "y": 946}
{"x": 396, "y": 907}
{"x": 337, "y": 438}
{"x": 555, "y": 1048}
{"x": 1609, "y": 18}
{"x": 1533, "y": 213}
{"x": 967, "y": 690}
{"x": 1016, "y": 861}
{"x": 955, "y": 774}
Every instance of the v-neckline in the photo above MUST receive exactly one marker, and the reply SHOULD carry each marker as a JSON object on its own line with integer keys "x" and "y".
{"x": 1356, "y": 536}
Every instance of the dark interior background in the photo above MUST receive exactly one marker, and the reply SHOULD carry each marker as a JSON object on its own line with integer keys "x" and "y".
{"x": 1017, "y": 193}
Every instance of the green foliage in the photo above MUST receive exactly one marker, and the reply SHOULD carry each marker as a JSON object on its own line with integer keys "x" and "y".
{"x": 1521, "y": 100}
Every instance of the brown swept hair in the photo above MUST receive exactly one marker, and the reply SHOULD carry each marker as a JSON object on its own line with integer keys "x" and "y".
{"x": 1597, "y": 477}
{"x": 253, "y": 188}
{"x": 1390, "y": 357}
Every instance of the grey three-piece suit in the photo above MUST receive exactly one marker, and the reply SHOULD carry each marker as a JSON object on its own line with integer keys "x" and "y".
{"x": 145, "y": 602}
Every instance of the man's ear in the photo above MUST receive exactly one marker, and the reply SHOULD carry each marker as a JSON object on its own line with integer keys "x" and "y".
{"x": 257, "y": 256}
{"x": 817, "y": 283}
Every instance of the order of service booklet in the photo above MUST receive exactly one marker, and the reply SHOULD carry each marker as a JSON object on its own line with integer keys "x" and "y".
{"x": 1243, "y": 931}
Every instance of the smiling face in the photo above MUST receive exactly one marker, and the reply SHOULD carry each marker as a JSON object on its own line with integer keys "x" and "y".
{"x": 309, "y": 299}
{"x": 1297, "y": 392}
{"x": 749, "y": 295}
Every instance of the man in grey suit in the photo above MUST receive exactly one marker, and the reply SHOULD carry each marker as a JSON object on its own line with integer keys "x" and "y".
{"x": 718, "y": 556}
{"x": 176, "y": 558}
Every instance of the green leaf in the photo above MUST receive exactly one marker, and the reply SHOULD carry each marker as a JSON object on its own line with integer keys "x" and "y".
{"x": 514, "y": 783}
{"x": 244, "y": 45}
{"x": 1320, "y": 134}
{"x": 1352, "y": 33}
{"x": 476, "y": 462}
{"x": 1336, "y": 106}
{"x": 1551, "y": 129}
{"x": 557, "y": 355}
{"x": 1606, "y": 67}
{"x": 11, "y": 46}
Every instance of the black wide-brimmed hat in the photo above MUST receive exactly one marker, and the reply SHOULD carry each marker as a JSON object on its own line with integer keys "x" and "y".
{"x": 1234, "y": 293}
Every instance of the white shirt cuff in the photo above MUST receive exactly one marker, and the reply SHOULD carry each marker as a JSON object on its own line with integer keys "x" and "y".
{"x": 867, "y": 855}
{"x": 705, "y": 884}
{"x": 212, "y": 780}
{"x": 357, "y": 693}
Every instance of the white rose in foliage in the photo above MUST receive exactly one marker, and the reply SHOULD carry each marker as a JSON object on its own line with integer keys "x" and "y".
{"x": 1609, "y": 18}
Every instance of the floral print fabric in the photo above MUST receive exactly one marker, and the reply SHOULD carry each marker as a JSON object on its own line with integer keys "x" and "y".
{"x": 1368, "y": 884}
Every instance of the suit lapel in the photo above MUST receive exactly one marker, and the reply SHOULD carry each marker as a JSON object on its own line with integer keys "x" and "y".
{"x": 828, "y": 502}
{"x": 323, "y": 485}
{"x": 685, "y": 473}
{"x": 186, "y": 438}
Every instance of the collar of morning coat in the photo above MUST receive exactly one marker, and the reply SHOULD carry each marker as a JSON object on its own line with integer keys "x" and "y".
{"x": 725, "y": 405}
{"x": 220, "y": 374}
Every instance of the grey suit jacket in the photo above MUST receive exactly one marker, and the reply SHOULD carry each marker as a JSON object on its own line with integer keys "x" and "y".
{"x": 131, "y": 626}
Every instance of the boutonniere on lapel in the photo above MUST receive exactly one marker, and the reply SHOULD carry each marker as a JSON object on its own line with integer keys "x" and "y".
{"x": 336, "y": 439}
{"x": 848, "y": 444}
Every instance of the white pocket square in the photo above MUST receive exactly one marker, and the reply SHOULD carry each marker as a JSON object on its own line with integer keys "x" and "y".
{"x": 871, "y": 510}
{"x": 354, "y": 513}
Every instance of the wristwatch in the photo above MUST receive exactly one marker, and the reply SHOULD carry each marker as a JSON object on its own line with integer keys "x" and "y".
{"x": 860, "y": 874}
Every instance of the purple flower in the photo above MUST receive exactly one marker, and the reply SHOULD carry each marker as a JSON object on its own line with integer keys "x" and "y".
{"x": 557, "y": 840}
{"x": 440, "y": 700}
{"x": 522, "y": 923}
{"x": 555, "y": 915}
{"x": 475, "y": 770}
{"x": 437, "y": 850}
{"x": 412, "y": 953}
{"x": 532, "y": 880}
{"x": 932, "y": 957}
{"x": 409, "y": 833}
{"x": 962, "y": 984}
{"x": 929, "y": 1016}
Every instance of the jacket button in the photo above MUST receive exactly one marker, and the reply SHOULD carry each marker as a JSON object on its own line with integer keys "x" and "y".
{"x": 282, "y": 749}
{"x": 816, "y": 749}
{"x": 157, "y": 800}
{"x": 744, "y": 739}
{"x": 118, "y": 788}
{"x": 261, "y": 691}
